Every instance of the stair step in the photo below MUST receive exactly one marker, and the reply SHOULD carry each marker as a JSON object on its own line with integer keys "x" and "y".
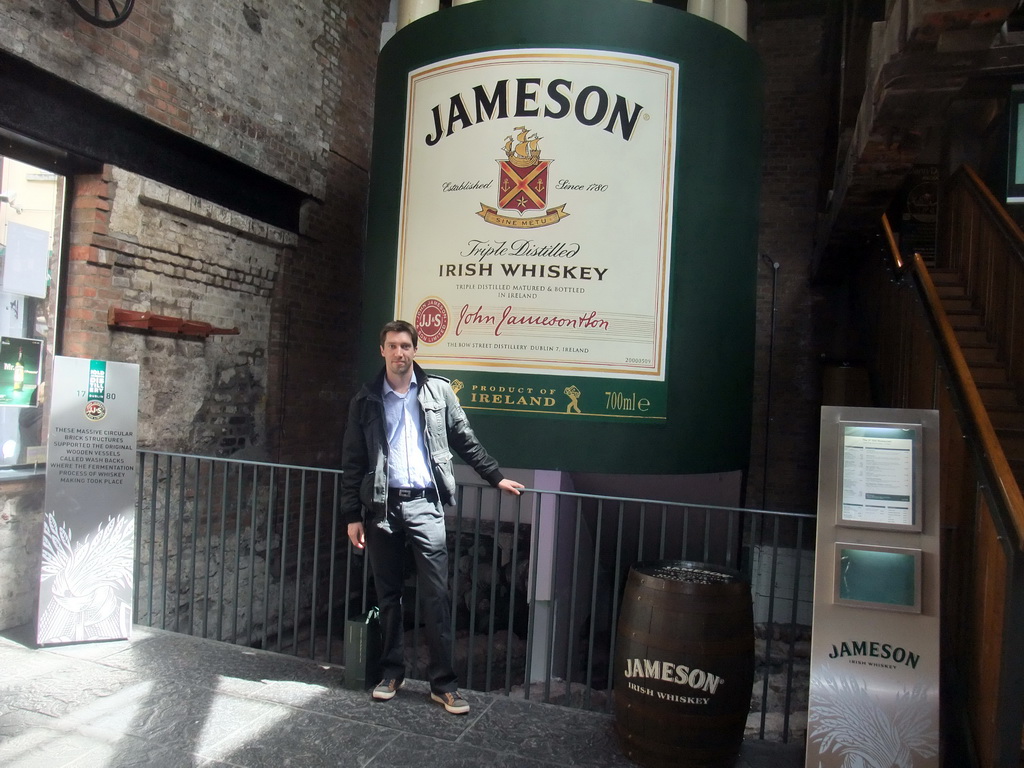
{"x": 995, "y": 396}
{"x": 957, "y": 304}
{"x": 1006, "y": 418}
{"x": 1017, "y": 469}
{"x": 951, "y": 292}
{"x": 981, "y": 354}
{"x": 972, "y": 337}
{"x": 966, "y": 320}
{"x": 989, "y": 374}
{"x": 1012, "y": 441}
{"x": 945, "y": 276}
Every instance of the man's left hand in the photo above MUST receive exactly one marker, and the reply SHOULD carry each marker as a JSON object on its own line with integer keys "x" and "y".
{"x": 510, "y": 486}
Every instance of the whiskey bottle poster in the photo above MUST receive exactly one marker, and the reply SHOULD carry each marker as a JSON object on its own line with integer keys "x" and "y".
{"x": 19, "y": 371}
{"x": 563, "y": 201}
{"x": 86, "y": 579}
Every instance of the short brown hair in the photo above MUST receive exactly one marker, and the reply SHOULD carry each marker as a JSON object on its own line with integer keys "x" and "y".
{"x": 400, "y": 326}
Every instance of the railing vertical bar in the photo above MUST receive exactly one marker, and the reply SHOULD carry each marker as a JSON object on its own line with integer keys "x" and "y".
{"x": 267, "y": 555}
{"x": 315, "y": 591}
{"x": 460, "y": 505}
{"x": 791, "y": 660}
{"x": 179, "y": 527}
{"x": 474, "y": 561}
{"x": 197, "y": 504}
{"x": 239, "y": 495}
{"x": 301, "y": 539}
{"x": 769, "y": 624}
{"x": 613, "y": 634}
{"x": 225, "y": 483}
{"x": 517, "y": 507}
{"x": 730, "y": 535}
{"x": 642, "y": 531}
{"x": 140, "y": 505}
{"x": 253, "y": 522}
{"x": 332, "y": 574}
{"x": 281, "y": 582}
{"x": 685, "y": 542}
{"x": 495, "y": 546}
{"x": 570, "y": 640}
{"x": 549, "y": 667}
{"x": 166, "y": 544}
{"x": 531, "y": 597}
{"x": 707, "y": 535}
{"x": 664, "y": 532}
{"x": 589, "y": 661}
{"x": 209, "y": 547}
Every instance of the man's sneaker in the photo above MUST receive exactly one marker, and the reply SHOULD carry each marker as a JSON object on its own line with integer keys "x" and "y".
{"x": 451, "y": 701}
{"x": 387, "y": 688}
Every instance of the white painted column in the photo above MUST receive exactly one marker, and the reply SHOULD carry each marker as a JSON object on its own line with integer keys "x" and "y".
{"x": 410, "y": 10}
{"x": 732, "y": 14}
{"x": 703, "y": 8}
{"x": 462, "y": 2}
{"x": 545, "y": 604}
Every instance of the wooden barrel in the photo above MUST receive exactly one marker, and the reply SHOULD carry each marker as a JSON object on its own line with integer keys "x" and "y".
{"x": 684, "y": 664}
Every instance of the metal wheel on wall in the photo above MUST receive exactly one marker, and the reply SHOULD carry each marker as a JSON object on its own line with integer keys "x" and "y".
{"x": 103, "y": 13}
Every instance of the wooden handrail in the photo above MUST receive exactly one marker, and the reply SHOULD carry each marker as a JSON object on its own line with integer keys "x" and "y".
{"x": 894, "y": 249}
{"x": 1006, "y": 484}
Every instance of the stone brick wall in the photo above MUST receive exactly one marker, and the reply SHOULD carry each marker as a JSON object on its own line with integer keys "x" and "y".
{"x": 795, "y": 126}
{"x": 156, "y": 249}
{"x": 247, "y": 78}
{"x": 21, "y": 543}
{"x": 285, "y": 88}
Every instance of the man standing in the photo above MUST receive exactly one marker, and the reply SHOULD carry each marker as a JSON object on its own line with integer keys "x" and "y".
{"x": 397, "y": 471}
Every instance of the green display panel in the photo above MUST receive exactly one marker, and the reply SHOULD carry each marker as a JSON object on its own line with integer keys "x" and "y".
{"x": 564, "y": 201}
{"x": 878, "y": 577}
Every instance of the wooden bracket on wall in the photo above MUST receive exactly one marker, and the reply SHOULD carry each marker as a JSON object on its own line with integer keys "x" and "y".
{"x": 127, "y": 319}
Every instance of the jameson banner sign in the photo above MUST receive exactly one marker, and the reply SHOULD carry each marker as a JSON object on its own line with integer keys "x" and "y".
{"x": 535, "y": 227}
{"x": 85, "y": 589}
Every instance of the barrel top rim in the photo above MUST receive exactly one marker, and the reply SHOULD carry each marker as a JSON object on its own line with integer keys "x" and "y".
{"x": 651, "y": 567}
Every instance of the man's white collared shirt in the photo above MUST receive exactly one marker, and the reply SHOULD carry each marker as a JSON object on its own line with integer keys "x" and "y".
{"x": 408, "y": 466}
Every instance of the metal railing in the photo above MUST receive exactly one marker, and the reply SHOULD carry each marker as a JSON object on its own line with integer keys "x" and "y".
{"x": 255, "y": 554}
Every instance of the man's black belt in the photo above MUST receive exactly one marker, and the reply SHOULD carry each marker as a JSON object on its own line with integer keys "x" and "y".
{"x": 407, "y": 494}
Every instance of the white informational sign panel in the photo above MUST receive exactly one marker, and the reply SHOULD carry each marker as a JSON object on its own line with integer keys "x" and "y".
{"x": 879, "y": 467}
{"x": 874, "y": 688}
{"x": 26, "y": 260}
{"x": 515, "y": 265}
{"x": 85, "y": 590}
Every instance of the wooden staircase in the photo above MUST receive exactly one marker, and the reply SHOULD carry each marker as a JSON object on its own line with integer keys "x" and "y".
{"x": 999, "y": 394}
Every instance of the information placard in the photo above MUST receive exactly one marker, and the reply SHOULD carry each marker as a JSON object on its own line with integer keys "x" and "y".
{"x": 85, "y": 589}
{"x": 880, "y": 472}
{"x": 874, "y": 691}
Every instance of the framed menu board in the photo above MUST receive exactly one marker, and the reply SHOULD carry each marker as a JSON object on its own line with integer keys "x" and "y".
{"x": 880, "y": 476}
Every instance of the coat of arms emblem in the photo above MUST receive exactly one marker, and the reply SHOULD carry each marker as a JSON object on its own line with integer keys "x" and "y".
{"x": 522, "y": 185}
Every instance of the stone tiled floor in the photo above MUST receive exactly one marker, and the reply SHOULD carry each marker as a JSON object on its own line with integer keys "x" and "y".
{"x": 163, "y": 699}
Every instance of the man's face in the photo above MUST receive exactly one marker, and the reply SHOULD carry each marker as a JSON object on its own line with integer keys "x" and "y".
{"x": 398, "y": 352}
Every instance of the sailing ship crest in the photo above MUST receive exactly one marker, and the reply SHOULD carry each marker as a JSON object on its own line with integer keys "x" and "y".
{"x": 525, "y": 153}
{"x": 522, "y": 184}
